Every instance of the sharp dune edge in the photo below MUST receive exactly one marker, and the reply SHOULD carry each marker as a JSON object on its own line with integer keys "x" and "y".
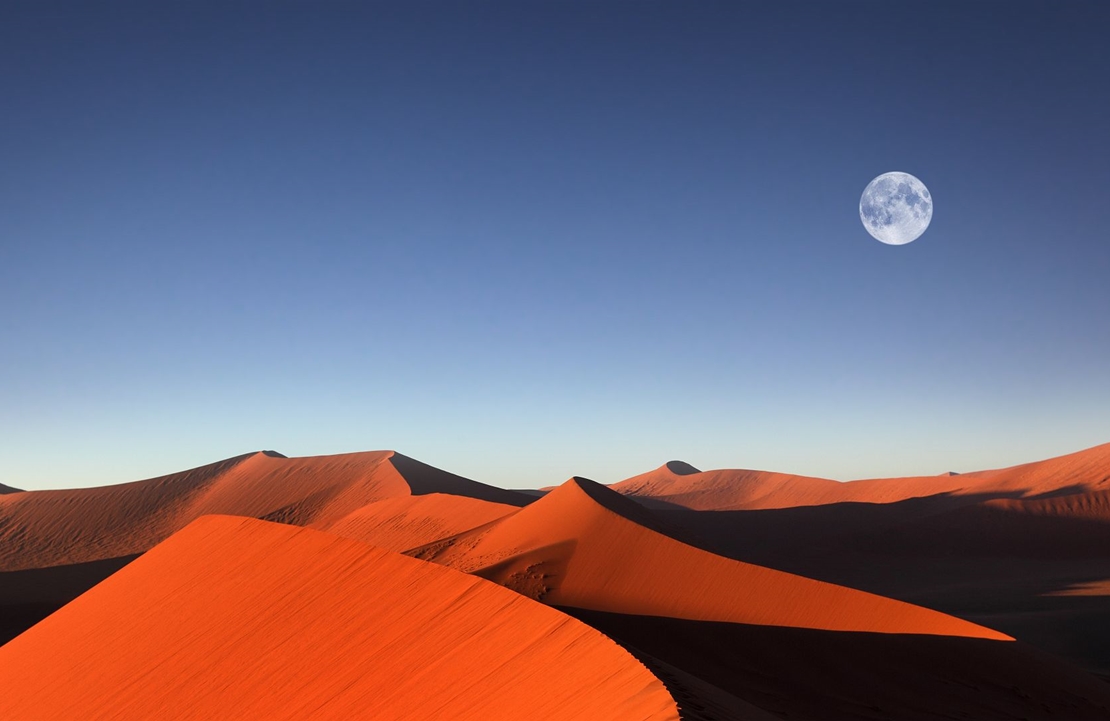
{"x": 238, "y": 618}
{"x": 710, "y": 636}
{"x": 561, "y": 549}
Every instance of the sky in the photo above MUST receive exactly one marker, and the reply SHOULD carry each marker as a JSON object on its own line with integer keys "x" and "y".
{"x": 524, "y": 241}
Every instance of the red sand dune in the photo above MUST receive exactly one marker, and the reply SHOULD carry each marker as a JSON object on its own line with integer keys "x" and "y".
{"x": 1004, "y": 548}
{"x": 1019, "y": 549}
{"x": 49, "y": 528}
{"x": 398, "y": 524}
{"x": 238, "y": 618}
{"x": 679, "y": 484}
{"x": 585, "y": 546}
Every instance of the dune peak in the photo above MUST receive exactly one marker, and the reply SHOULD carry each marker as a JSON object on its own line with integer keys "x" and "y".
{"x": 680, "y": 468}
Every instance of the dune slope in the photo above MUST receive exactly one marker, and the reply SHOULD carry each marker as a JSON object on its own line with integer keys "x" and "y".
{"x": 49, "y": 528}
{"x": 398, "y": 524}
{"x": 238, "y": 618}
{"x": 585, "y": 546}
{"x": 1025, "y": 550}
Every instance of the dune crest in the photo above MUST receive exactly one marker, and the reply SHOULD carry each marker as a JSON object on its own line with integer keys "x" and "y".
{"x": 564, "y": 549}
{"x": 239, "y": 618}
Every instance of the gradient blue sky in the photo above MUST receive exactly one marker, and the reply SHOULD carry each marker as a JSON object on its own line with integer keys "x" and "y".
{"x": 522, "y": 241}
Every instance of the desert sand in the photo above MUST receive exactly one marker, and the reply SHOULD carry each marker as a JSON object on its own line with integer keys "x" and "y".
{"x": 51, "y": 528}
{"x": 678, "y": 484}
{"x": 1005, "y": 548}
{"x": 238, "y": 618}
{"x": 728, "y": 594}
{"x": 56, "y": 544}
{"x": 561, "y": 550}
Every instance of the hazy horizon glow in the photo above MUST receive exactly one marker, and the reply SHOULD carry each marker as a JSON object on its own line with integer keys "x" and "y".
{"x": 524, "y": 241}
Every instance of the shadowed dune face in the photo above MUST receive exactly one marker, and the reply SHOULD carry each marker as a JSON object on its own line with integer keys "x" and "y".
{"x": 680, "y": 468}
{"x": 997, "y": 566}
{"x": 8, "y": 489}
{"x": 238, "y": 618}
{"x": 48, "y": 528}
{"x": 1004, "y": 551}
{"x": 566, "y": 549}
{"x": 819, "y": 675}
{"x": 27, "y": 597}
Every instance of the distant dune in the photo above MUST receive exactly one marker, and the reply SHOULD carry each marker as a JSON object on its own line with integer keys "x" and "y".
{"x": 72, "y": 539}
{"x": 999, "y": 547}
{"x": 49, "y": 528}
{"x": 238, "y": 618}
{"x": 677, "y": 484}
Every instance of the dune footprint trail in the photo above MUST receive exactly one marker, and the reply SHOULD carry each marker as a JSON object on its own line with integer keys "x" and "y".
{"x": 239, "y": 618}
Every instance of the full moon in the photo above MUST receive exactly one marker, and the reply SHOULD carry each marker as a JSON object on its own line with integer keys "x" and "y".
{"x": 896, "y": 208}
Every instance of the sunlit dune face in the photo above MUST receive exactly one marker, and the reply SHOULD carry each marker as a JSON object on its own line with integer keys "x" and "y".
{"x": 246, "y": 619}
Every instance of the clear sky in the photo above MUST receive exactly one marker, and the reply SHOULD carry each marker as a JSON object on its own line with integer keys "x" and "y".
{"x": 526, "y": 240}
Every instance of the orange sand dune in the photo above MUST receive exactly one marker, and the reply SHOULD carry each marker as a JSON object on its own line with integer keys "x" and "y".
{"x": 585, "y": 546}
{"x": 677, "y": 484}
{"x": 238, "y": 618}
{"x": 1006, "y": 560}
{"x": 48, "y": 528}
{"x": 398, "y": 524}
